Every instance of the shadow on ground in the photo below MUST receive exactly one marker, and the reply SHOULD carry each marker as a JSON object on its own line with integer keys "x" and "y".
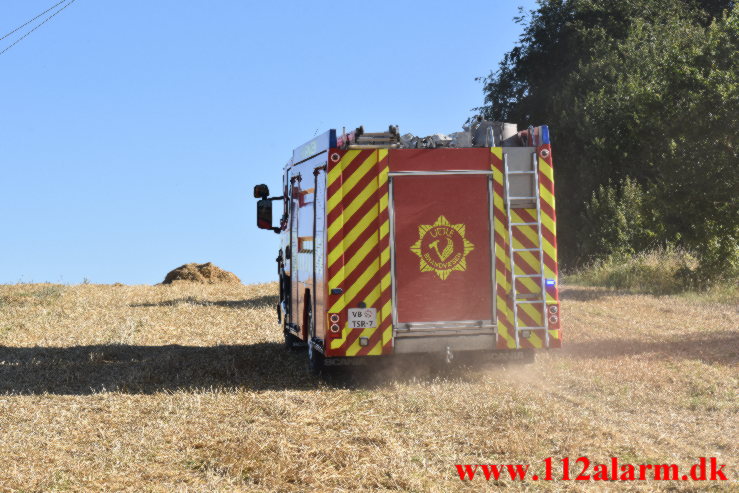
{"x": 258, "y": 302}
{"x": 720, "y": 347}
{"x": 268, "y": 366}
{"x": 80, "y": 370}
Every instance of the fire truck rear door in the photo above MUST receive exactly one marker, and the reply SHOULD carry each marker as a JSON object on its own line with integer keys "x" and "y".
{"x": 442, "y": 255}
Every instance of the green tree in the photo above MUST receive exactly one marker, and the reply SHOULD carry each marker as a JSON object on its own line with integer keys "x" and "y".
{"x": 635, "y": 92}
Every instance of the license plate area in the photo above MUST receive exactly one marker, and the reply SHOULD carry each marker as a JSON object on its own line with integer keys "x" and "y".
{"x": 362, "y": 318}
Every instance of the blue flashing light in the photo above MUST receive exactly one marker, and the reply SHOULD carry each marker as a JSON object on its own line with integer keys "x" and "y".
{"x": 544, "y": 134}
{"x": 550, "y": 282}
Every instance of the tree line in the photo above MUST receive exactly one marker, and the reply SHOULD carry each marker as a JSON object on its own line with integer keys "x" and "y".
{"x": 642, "y": 101}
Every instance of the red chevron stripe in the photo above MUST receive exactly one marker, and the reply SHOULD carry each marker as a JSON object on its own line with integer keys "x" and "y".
{"x": 371, "y": 258}
{"x": 545, "y": 181}
{"x": 501, "y": 216}
{"x": 387, "y": 348}
{"x": 523, "y": 265}
{"x": 374, "y": 339}
{"x": 551, "y": 263}
{"x": 355, "y": 333}
{"x": 348, "y": 171}
{"x": 523, "y": 239}
{"x": 496, "y": 162}
{"x": 502, "y": 319}
{"x": 498, "y": 189}
{"x": 554, "y": 342}
{"x": 350, "y": 338}
{"x": 527, "y": 319}
{"x": 547, "y": 209}
{"x": 371, "y": 202}
{"x": 545, "y": 232}
{"x": 548, "y": 261}
{"x": 526, "y": 216}
{"x": 339, "y": 263}
{"x": 371, "y": 175}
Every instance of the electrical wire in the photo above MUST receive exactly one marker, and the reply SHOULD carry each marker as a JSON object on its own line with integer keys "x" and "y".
{"x": 41, "y": 24}
{"x": 27, "y": 23}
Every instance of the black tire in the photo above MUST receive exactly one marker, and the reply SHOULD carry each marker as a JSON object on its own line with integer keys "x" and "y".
{"x": 315, "y": 360}
{"x": 291, "y": 341}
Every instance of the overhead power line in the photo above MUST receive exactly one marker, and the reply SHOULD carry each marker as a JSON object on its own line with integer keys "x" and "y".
{"x": 27, "y": 23}
{"x": 41, "y": 24}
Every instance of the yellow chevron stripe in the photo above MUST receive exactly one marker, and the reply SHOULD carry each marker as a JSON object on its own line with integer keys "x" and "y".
{"x": 371, "y": 299}
{"x": 501, "y": 230}
{"x": 385, "y": 282}
{"x": 546, "y": 169}
{"x": 336, "y": 343}
{"x": 546, "y": 196}
{"x": 357, "y": 230}
{"x": 373, "y": 296}
{"x": 530, "y": 284}
{"x": 360, "y": 200}
{"x": 387, "y": 335}
{"x": 503, "y": 281}
{"x": 377, "y": 349}
{"x": 504, "y": 330}
{"x": 535, "y": 340}
{"x": 335, "y": 172}
{"x": 353, "y": 262}
{"x": 355, "y": 288}
{"x": 354, "y": 348}
{"x": 388, "y": 308}
{"x": 384, "y": 229}
{"x": 352, "y": 180}
{"x": 532, "y": 311}
{"x": 352, "y": 236}
{"x": 531, "y": 259}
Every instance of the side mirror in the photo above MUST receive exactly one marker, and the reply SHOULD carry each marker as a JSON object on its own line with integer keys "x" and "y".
{"x": 264, "y": 213}
{"x": 261, "y": 191}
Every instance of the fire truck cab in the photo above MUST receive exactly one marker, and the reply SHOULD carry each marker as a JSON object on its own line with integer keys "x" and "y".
{"x": 397, "y": 244}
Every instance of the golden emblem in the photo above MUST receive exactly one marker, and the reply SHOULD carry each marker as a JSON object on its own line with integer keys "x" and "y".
{"x": 442, "y": 247}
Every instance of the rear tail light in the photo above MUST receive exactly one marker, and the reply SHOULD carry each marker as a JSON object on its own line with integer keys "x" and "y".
{"x": 334, "y": 329}
{"x": 553, "y": 316}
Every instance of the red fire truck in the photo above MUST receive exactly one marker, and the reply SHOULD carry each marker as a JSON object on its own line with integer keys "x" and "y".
{"x": 397, "y": 244}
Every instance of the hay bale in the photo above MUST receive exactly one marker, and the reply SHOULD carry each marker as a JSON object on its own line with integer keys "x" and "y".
{"x": 203, "y": 273}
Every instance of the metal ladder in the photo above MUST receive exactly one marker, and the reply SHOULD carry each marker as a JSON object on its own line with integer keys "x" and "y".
{"x": 511, "y": 251}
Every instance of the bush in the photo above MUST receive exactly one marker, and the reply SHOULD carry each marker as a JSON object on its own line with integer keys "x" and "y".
{"x": 661, "y": 271}
{"x": 614, "y": 224}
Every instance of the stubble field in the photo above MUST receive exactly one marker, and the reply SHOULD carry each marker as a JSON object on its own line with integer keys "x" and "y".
{"x": 188, "y": 388}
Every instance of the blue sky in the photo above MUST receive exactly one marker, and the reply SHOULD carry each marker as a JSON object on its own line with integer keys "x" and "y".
{"x": 131, "y": 133}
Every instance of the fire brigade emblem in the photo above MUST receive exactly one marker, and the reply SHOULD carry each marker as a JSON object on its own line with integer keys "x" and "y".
{"x": 442, "y": 247}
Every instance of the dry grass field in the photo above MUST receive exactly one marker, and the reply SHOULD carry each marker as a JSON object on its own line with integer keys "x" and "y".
{"x": 187, "y": 388}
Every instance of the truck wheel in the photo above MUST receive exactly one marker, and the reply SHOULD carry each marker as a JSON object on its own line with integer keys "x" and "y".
{"x": 291, "y": 341}
{"x": 315, "y": 360}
